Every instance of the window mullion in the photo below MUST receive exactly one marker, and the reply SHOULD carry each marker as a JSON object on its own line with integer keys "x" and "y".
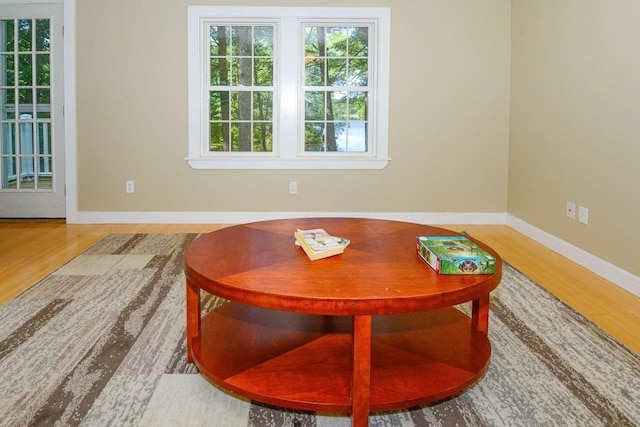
{"x": 288, "y": 79}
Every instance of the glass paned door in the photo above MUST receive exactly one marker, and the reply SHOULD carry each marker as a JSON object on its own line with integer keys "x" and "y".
{"x": 31, "y": 140}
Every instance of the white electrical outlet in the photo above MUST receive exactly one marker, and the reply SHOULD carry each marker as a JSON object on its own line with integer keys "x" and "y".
{"x": 129, "y": 188}
{"x": 571, "y": 210}
{"x": 583, "y": 215}
{"x": 293, "y": 187}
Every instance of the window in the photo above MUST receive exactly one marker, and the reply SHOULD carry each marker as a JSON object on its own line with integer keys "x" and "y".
{"x": 336, "y": 88}
{"x": 241, "y": 88}
{"x": 25, "y": 105}
{"x": 288, "y": 88}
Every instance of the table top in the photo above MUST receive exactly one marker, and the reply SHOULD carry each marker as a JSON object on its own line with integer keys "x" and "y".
{"x": 380, "y": 271}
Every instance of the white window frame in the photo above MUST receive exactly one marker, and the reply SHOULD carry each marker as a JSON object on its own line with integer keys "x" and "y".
{"x": 288, "y": 152}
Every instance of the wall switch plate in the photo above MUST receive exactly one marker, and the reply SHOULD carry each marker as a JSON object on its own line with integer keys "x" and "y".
{"x": 583, "y": 215}
{"x": 129, "y": 188}
{"x": 293, "y": 187}
{"x": 571, "y": 210}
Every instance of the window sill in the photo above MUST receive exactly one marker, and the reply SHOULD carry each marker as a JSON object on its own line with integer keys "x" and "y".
{"x": 287, "y": 163}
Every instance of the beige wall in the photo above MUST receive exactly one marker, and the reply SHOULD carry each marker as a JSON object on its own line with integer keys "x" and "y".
{"x": 575, "y": 122}
{"x": 494, "y": 106}
{"x": 449, "y": 116}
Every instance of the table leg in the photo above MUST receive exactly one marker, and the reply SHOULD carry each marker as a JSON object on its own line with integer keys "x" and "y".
{"x": 193, "y": 317}
{"x": 480, "y": 314}
{"x": 361, "y": 386}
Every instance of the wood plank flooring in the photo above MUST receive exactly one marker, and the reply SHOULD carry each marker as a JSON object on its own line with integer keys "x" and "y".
{"x": 30, "y": 251}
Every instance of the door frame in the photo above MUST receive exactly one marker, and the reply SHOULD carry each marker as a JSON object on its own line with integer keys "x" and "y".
{"x": 70, "y": 142}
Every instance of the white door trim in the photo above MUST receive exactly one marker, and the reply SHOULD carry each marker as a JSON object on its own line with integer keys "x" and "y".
{"x": 70, "y": 110}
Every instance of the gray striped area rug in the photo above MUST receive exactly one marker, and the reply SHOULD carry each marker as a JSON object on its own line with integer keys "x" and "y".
{"x": 101, "y": 342}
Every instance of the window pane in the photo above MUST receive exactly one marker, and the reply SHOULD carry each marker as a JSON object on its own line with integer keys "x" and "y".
{"x": 358, "y": 72}
{"x": 263, "y": 45}
{"x": 314, "y": 105}
{"x": 241, "y": 71}
{"x": 218, "y": 105}
{"x": 42, "y": 70}
{"x": 336, "y": 41}
{"x": 219, "y": 72}
{"x": 314, "y": 137}
{"x": 358, "y": 41}
{"x": 241, "y": 41}
{"x": 356, "y": 137}
{"x": 218, "y": 137}
{"x": 218, "y": 40}
{"x": 263, "y": 72}
{"x": 8, "y": 139}
{"x": 8, "y": 70}
{"x": 337, "y": 109}
{"x": 358, "y": 102}
{"x": 43, "y": 105}
{"x": 240, "y": 105}
{"x": 233, "y": 102}
{"x": 26, "y": 139}
{"x": 27, "y": 173}
{"x": 43, "y": 39}
{"x": 311, "y": 42}
{"x": 45, "y": 181}
{"x": 25, "y": 106}
{"x": 337, "y": 72}
{"x": 44, "y": 139}
{"x": 44, "y": 165}
{"x": 25, "y": 69}
{"x": 241, "y": 137}
{"x": 263, "y": 106}
{"x": 8, "y": 28}
{"x": 24, "y": 35}
{"x": 263, "y": 137}
{"x": 333, "y": 131}
{"x": 9, "y": 172}
{"x": 314, "y": 72}
{"x": 8, "y": 103}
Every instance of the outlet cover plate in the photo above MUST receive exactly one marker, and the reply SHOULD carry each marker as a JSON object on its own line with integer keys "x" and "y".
{"x": 571, "y": 210}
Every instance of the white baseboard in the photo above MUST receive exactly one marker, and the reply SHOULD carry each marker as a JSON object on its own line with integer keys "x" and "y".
{"x": 87, "y": 217}
{"x": 612, "y": 273}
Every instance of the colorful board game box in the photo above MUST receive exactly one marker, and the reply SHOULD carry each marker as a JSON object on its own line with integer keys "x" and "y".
{"x": 455, "y": 255}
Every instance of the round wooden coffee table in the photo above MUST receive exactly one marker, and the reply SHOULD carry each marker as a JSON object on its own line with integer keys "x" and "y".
{"x": 372, "y": 329}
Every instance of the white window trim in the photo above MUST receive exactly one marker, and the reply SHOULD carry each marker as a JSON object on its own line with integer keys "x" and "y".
{"x": 287, "y": 156}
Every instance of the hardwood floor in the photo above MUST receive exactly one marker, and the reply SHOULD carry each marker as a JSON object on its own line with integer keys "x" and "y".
{"x": 30, "y": 251}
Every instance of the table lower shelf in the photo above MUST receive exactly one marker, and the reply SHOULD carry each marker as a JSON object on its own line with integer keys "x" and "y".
{"x": 305, "y": 361}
